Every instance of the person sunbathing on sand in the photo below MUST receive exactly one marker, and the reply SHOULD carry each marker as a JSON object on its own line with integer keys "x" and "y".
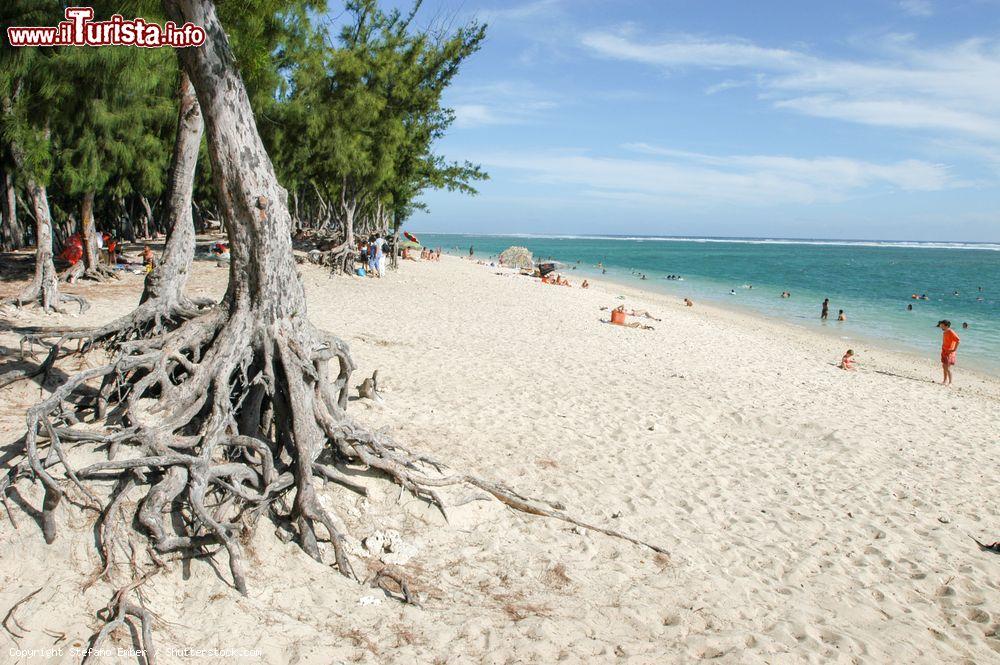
{"x": 847, "y": 362}
{"x": 688, "y": 303}
{"x": 618, "y": 319}
{"x": 585, "y": 285}
{"x": 633, "y": 312}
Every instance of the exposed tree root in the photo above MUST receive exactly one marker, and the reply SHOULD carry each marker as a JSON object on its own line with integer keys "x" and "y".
{"x": 96, "y": 273}
{"x": 12, "y": 618}
{"x": 369, "y": 388}
{"x": 44, "y": 367}
{"x": 152, "y": 317}
{"x": 46, "y": 296}
{"x": 226, "y": 417}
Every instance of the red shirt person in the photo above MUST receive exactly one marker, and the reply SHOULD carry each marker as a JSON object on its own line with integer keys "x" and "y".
{"x": 949, "y": 348}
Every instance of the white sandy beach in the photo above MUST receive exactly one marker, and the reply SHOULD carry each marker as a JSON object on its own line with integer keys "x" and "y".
{"x": 811, "y": 514}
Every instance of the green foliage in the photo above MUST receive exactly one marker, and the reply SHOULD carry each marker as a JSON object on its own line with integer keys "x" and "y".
{"x": 113, "y": 133}
{"x": 101, "y": 118}
{"x": 364, "y": 111}
{"x": 29, "y": 88}
{"x": 351, "y": 112}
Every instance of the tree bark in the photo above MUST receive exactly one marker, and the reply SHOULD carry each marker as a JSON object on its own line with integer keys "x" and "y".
{"x": 147, "y": 215}
{"x": 13, "y": 227}
{"x": 88, "y": 232}
{"x": 46, "y": 281}
{"x": 167, "y": 281}
{"x": 262, "y": 275}
{"x": 44, "y": 288}
{"x": 265, "y": 329}
{"x": 394, "y": 246}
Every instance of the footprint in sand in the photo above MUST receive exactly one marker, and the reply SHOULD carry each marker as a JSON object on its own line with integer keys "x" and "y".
{"x": 977, "y": 615}
{"x": 944, "y": 591}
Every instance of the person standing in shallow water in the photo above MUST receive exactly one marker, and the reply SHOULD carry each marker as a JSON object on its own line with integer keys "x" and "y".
{"x": 949, "y": 349}
{"x": 826, "y": 309}
{"x": 470, "y": 251}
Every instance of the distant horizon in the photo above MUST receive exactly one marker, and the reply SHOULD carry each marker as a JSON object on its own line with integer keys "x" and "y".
{"x": 643, "y": 236}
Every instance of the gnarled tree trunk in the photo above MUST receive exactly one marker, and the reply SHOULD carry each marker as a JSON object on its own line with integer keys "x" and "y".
{"x": 167, "y": 281}
{"x": 91, "y": 266}
{"x": 12, "y": 236}
{"x": 88, "y": 231}
{"x": 147, "y": 216}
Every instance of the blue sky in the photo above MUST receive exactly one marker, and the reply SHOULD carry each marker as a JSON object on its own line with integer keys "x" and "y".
{"x": 877, "y": 119}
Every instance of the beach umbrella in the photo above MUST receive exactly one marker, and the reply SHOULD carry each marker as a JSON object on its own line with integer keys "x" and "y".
{"x": 412, "y": 238}
{"x": 410, "y": 244}
{"x": 517, "y": 257}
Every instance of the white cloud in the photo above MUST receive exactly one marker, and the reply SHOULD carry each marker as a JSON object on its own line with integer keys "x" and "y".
{"x": 676, "y": 177}
{"x": 528, "y": 10}
{"x": 728, "y": 84}
{"x": 476, "y": 115}
{"x": 499, "y": 103}
{"x": 921, "y": 8}
{"x": 690, "y": 50}
{"x": 896, "y": 113}
{"x": 949, "y": 90}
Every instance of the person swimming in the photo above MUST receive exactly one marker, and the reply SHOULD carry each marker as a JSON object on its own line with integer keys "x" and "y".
{"x": 841, "y": 316}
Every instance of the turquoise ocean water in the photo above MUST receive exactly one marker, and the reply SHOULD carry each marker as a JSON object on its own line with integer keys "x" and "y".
{"x": 871, "y": 281}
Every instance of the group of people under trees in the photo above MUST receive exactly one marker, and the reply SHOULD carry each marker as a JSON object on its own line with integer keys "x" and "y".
{"x": 371, "y": 256}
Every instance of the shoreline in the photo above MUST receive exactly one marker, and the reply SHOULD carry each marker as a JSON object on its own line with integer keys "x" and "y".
{"x": 986, "y": 371}
{"x": 882, "y": 344}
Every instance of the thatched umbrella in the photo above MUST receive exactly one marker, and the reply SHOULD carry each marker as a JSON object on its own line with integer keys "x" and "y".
{"x": 517, "y": 257}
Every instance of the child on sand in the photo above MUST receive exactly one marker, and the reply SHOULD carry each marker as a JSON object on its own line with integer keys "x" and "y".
{"x": 847, "y": 362}
{"x": 148, "y": 260}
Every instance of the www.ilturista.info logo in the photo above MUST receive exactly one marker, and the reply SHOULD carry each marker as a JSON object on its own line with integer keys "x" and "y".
{"x": 80, "y": 30}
